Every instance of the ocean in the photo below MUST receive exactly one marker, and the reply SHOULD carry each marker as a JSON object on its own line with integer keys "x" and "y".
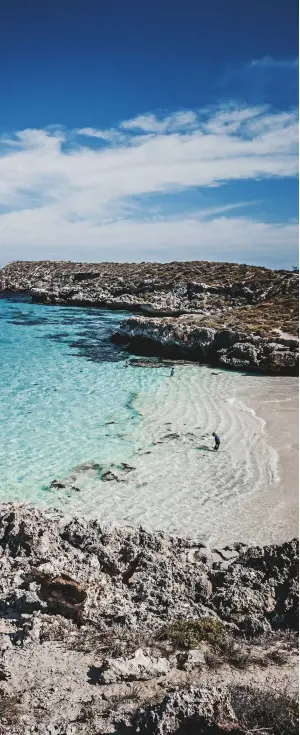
{"x": 72, "y": 412}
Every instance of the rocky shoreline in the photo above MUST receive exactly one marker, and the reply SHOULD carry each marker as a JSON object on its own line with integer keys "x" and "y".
{"x": 235, "y": 316}
{"x": 117, "y": 630}
{"x": 187, "y": 339}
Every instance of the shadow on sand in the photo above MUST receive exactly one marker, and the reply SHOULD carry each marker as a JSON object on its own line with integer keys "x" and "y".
{"x": 204, "y": 448}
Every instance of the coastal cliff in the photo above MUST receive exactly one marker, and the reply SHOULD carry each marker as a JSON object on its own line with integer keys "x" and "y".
{"x": 235, "y": 316}
{"x": 117, "y": 630}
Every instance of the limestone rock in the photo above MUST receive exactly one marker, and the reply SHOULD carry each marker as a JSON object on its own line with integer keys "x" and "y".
{"x": 139, "y": 668}
{"x": 219, "y": 313}
{"x": 83, "y": 570}
{"x": 188, "y": 660}
{"x": 180, "y": 710}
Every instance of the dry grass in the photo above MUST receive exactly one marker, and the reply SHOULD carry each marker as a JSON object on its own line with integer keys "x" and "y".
{"x": 10, "y": 710}
{"x": 265, "y": 711}
{"x": 241, "y": 654}
{"x": 261, "y": 319}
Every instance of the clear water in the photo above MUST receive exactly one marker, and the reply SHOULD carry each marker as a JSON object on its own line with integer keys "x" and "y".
{"x": 70, "y": 409}
{"x": 62, "y": 383}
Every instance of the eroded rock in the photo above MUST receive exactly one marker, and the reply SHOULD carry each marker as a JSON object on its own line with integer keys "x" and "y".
{"x": 237, "y": 316}
{"x": 139, "y": 668}
{"x": 179, "y": 712}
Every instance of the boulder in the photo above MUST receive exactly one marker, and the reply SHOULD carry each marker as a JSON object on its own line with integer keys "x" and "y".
{"x": 189, "y": 660}
{"x": 139, "y": 668}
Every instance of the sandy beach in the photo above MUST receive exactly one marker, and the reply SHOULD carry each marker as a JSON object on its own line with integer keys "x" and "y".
{"x": 253, "y": 496}
{"x": 276, "y": 401}
{"x": 248, "y": 491}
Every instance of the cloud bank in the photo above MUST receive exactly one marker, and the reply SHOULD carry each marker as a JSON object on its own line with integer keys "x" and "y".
{"x": 89, "y": 193}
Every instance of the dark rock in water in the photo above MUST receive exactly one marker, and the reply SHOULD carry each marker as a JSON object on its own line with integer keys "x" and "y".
{"x": 63, "y": 485}
{"x": 57, "y": 484}
{"x": 167, "y": 438}
{"x": 108, "y": 476}
{"x": 127, "y": 467}
{"x": 143, "y": 362}
{"x": 87, "y": 466}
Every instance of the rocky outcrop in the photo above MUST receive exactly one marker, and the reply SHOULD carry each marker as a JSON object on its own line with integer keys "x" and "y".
{"x": 102, "y": 629}
{"x": 189, "y": 339}
{"x": 190, "y": 711}
{"x": 237, "y": 316}
{"x": 132, "y": 578}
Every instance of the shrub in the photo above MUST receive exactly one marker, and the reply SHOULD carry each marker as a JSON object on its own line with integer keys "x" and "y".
{"x": 10, "y": 709}
{"x": 189, "y": 633}
{"x": 265, "y": 710}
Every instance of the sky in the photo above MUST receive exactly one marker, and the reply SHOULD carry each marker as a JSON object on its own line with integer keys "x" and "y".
{"x": 135, "y": 130}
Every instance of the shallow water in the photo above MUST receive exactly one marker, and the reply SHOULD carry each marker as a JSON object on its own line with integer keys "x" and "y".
{"x": 67, "y": 400}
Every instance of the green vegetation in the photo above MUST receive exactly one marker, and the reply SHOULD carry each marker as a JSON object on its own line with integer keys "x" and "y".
{"x": 189, "y": 633}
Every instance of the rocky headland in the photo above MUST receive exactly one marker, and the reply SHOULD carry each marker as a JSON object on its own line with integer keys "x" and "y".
{"x": 117, "y": 630}
{"x": 226, "y": 314}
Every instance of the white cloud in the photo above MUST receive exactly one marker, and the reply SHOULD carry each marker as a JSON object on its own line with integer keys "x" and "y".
{"x": 151, "y": 124}
{"x": 71, "y": 200}
{"x": 113, "y": 136}
{"x": 267, "y": 62}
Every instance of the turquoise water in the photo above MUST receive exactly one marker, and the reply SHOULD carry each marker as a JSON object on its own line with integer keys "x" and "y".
{"x": 62, "y": 385}
{"x": 71, "y": 412}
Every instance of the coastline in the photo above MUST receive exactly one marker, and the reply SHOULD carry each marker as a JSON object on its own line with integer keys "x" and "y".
{"x": 177, "y": 484}
{"x": 223, "y": 314}
{"x": 146, "y": 618}
{"x": 146, "y": 455}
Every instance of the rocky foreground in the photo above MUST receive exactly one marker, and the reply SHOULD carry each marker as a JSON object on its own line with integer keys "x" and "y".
{"x": 116, "y": 630}
{"x": 234, "y": 316}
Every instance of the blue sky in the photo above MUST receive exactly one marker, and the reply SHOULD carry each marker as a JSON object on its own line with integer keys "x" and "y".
{"x": 143, "y": 130}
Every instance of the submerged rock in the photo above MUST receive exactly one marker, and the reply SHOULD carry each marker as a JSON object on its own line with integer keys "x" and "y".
{"x": 109, "y": 476}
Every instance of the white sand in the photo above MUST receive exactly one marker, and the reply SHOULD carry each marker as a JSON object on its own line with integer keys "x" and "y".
{"x": 276, "y": 400}
{"x": 247, "y": 491}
